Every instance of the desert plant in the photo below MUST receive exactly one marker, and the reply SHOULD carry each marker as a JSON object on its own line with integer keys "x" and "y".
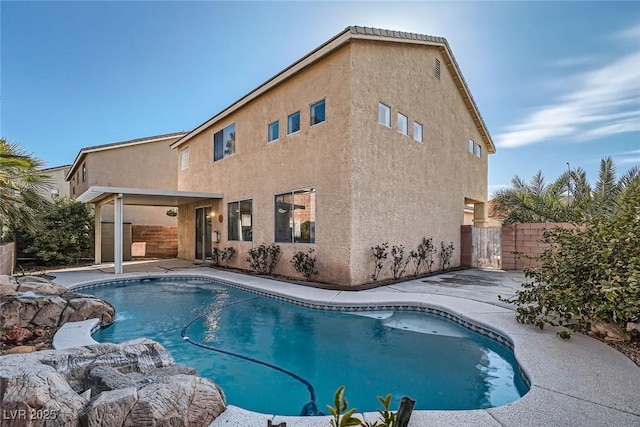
{"x": 221, "y": 257}
{"x": 340, "y": 418}
{"x": 263, "y": 259}
{"x": 380, "y": 253}
{"x": 588, "y": 274}
{"x": 423, "y": 256}
{"x": 387, "y": 417}
{"x": 446, "y": 252}
{"x": 305, "y": 263}
{"x": 398, "y": 263}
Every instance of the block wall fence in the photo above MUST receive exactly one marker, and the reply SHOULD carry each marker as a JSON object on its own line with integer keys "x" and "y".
{"x": 524, "y": 238}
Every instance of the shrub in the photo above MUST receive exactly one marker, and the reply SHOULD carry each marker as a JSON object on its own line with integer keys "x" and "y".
{"x": 423, "y": 256}
{"x": 399, "y": 263}
{"x": 305, "y": 263}
{"x": 66, "y": 233}
{"x": 446, "y": 252}
{"x": 588, "y": 274}
{"x": 340, "y": 418}
{"x": 379, "y": 255}
{"x": 263, "y": 259}
{"x": 222, "y": 257}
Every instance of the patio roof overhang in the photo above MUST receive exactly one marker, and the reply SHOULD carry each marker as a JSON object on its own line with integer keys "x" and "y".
{"x": 100, "y": 195}
{"x": 120, "y": 196}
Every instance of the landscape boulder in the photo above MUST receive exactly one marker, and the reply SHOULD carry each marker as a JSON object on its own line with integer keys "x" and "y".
{"x": 131, "y": 384}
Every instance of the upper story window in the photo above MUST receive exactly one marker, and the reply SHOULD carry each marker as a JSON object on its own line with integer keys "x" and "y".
{"x": 479, "y": 150}
{"x": 184, "y": 158}
{"x": 240, "y": 218}
{"x": 318, "y": 113}
{"x": 384, "y": 114}
{"x": 417, "y": 131}
{"x": 84, "y": 172}
{"x": 273, "y": 131}
{"x": 224, "y": 142}
{"x": 295, "y": 215}
{"x": 472, "y": 146}
{"x": 403, "y": 124}
{"x": 293, "y": 122}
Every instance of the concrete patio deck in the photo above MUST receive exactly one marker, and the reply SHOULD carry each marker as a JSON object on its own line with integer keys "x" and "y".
{"x": 579, "y": 382}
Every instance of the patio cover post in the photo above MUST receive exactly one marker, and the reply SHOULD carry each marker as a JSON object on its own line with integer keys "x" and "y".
{"x": 97, "y": 225}
{"x": 117, "y": 233}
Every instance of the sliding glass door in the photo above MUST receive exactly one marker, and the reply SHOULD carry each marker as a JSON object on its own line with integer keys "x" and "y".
{"x": 203, "y": 233}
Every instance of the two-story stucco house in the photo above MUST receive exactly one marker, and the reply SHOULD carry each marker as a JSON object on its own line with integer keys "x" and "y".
{"x": 143, "y": 163}
{"x": 372, "y": 137}
{"x": 59, "y": 187}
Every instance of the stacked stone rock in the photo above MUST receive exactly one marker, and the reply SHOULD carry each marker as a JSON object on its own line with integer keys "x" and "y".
{"x": 131, "y": 384}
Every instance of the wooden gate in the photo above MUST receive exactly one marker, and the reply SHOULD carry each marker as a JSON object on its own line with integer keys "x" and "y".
{"x": 486, "y": 247}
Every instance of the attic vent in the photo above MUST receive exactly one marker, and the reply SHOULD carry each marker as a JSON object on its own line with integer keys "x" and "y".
{"x": 438, "y": 69}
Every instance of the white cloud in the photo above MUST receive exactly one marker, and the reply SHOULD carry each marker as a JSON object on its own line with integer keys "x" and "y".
{"x": 603, "y": 101}
{"x": 628, "y": 157}
{"x": 495, "y": 187}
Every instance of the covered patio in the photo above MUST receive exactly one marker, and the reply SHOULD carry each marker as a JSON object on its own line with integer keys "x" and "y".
{"x": 121, "y": 196}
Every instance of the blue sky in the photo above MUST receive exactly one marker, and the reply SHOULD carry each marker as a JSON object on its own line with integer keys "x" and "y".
{"x": 556, "y": 82}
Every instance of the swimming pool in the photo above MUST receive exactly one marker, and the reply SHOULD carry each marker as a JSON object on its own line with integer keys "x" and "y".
{"x": 273, "y": 357}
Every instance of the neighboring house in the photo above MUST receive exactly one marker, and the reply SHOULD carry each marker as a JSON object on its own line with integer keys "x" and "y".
{"x": 59, "y": 185}
{"x": 372, "y": 137}
{"x": 142, "y": 163}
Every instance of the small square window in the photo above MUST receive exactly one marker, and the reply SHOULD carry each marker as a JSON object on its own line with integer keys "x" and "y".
{"x": 293, "y": 122}
{"x": 403, "y": 124}
{"x": 273, "y": 131}
{"x": 318, "y": 113}
{"x": 384, "y": 114}
{"x": 472, "y": 146}
{"x": 479, "y": 152}
{"x": 417, "y": 131}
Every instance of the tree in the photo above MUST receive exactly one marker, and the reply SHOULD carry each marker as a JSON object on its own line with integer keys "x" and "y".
{"x": 21, "y": 184}
{"x": 66, "y": 233}
{"x": 589, "y": 274}
{"x": 570, "y": 198}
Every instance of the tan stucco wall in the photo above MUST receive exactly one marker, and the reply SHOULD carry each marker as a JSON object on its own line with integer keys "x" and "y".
{"x": 373, "y": 184}
{"x": 57, "y": 181}
{"x": 148, "y": 165}
{"x": 315, "y": 156}
{"x": 403, "y": 190}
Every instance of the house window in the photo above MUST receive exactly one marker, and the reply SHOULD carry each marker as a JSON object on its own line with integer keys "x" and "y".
{"x": 224, "y": 142}
{"x": 437, "y": 70}
{"x": 384, "y": 114}
{"x": 479, "y": 152}
{"x": 403, "y": 124}
{"x": 472, "y": 146}
{"x": 295, "y": 215}
{"x": 184, "y": 158}
{"x": 317, "y": 113}
{"x": 273, "y": 131}
{"x": 417, "y": 131}
{"x": 293, "y": 122}
{"x": 240, "y": 221}
{"x": 84, "y": 172}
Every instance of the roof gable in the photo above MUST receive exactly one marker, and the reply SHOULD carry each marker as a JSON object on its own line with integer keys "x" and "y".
{"x": 357, "y": 32}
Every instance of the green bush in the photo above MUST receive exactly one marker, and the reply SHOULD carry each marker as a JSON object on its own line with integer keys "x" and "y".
{"x": 589, "y": 273}
{"x": 423, "y": 256}
{"x": 305, "y": 263}
{"x": 263, "y": 259}
{"x": 66, "y": 233}
{"x": 221, "y": 257}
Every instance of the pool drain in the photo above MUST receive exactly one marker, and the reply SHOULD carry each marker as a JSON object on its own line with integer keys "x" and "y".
{"x": 309, "y": 409}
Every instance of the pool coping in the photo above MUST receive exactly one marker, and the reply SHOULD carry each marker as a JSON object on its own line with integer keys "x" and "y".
{"x": 562, "y": 392}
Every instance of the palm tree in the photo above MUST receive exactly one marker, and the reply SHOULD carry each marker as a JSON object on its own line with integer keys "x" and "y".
{"x": 21, "y": 184}
{"x": 570, "y": 198}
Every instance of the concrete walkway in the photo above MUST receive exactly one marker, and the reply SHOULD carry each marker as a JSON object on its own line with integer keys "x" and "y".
{"x": 579, "y": 382}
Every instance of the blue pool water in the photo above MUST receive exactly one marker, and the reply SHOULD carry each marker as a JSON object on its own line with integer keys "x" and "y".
{"x": 437, "y": 362}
